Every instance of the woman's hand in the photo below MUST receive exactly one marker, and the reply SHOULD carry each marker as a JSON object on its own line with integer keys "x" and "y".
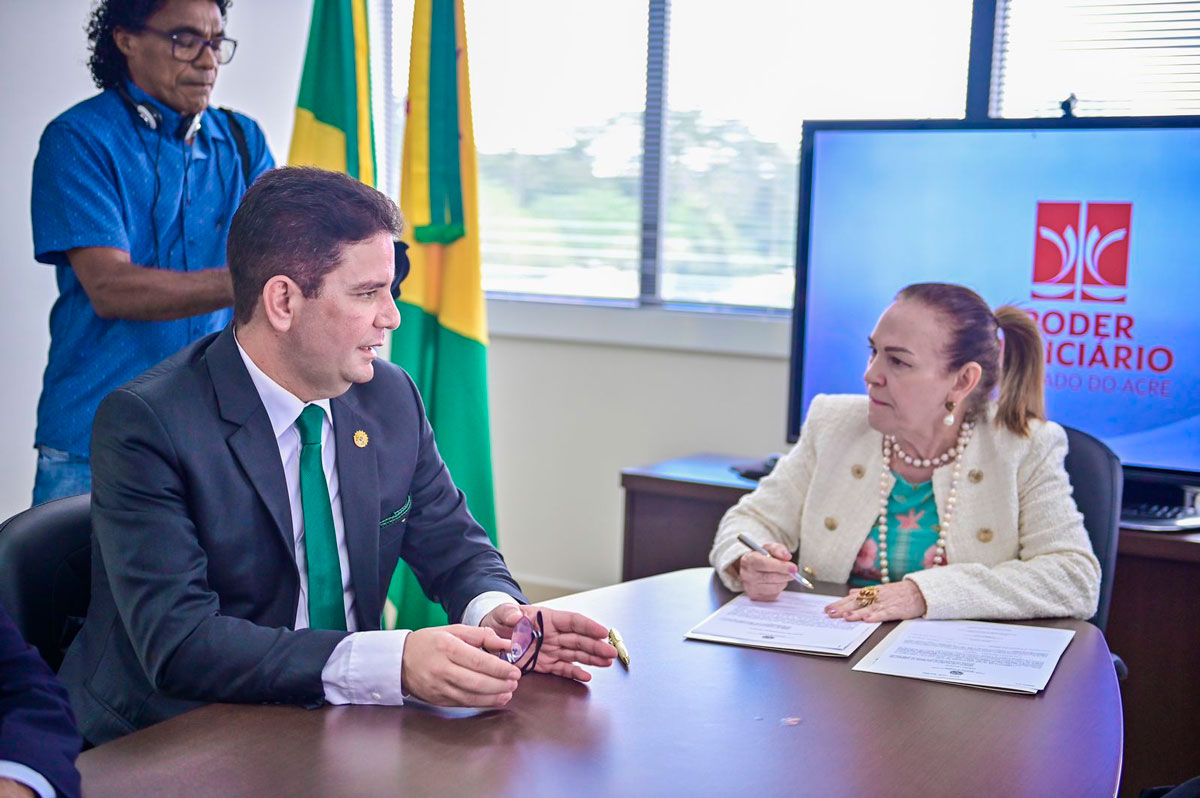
{"x": 895, "y": 601}
{"x": 764, "y": 578}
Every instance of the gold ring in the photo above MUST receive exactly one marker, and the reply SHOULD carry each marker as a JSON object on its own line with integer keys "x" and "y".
{"x": 867, "y": 595}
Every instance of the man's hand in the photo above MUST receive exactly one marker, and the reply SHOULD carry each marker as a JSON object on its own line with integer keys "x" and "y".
{"x": 456, "y": 666}
{"x": 895, "y": 601}
{"x": 568, "y": 638}
{"x": 764, "y": 578}
{"x": 15, "y": 789}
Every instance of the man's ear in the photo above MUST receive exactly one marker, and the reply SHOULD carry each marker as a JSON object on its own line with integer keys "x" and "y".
{"x": 125, "y": 40}
{"x": 280, "y": 299}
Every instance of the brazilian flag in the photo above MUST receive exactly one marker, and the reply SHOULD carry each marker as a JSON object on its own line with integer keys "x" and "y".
{"x": 442, "y": 340}
{"x": 333, "y": 112}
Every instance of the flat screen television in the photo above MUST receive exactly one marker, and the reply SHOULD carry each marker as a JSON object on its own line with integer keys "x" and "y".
{"x": 1091, "y": 225}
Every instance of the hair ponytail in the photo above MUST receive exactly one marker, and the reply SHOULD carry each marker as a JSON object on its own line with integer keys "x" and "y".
{"x": 1023, "y": 373}
{"x": 974, "y": 337}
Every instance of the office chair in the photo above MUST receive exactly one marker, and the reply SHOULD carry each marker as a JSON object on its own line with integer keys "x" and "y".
{"x": 45, "y": 572}
{"x": 1098, "y": 481}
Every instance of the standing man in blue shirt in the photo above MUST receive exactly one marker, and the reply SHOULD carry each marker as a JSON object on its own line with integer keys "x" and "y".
{"x": 133, "y": 193}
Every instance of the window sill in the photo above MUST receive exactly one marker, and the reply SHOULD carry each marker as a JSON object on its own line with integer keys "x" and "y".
{"x": 763, "y": 333}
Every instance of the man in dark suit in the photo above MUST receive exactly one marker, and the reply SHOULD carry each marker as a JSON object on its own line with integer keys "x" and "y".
{"x": 252, "y": 495}
{"x": 38, "y": 741}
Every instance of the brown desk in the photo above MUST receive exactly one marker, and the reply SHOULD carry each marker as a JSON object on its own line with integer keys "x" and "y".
{"x": 671, "y": 513}
{"x": 672, "y": 509}
{"x": 690, "y": 718}
{"x": 1154, "y": 624}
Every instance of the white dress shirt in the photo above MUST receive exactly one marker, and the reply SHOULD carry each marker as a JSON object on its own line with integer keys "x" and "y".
{"x": 365, "y": 667}
{"x": 23, "y": 774}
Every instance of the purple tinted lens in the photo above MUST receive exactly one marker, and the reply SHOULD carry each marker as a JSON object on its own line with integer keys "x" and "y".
{"x": 522, "y": 636}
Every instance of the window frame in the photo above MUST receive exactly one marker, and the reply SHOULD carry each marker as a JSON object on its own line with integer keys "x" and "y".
{"x": 733, "y": 327}
{"x": 654, "y": 160}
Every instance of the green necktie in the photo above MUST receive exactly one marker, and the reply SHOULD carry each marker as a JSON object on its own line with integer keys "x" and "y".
{"x": 326, "y": 609}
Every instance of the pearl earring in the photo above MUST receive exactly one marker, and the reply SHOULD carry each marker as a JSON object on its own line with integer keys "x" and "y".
{"x": 949, "y": 419}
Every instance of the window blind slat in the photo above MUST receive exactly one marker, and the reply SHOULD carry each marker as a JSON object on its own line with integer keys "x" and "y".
{"x": 1118, "y": 57}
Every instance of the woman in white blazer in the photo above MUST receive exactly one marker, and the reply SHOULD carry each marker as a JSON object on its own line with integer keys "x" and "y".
{"x": 929, "y": 497}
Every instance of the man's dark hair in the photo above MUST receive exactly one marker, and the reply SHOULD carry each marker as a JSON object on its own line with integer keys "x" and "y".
{"x": 107, "y": 63}
{"x": 296, "y": 221}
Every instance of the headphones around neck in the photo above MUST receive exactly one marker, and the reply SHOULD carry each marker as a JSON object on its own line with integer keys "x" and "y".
{"x": 189, "y": 125}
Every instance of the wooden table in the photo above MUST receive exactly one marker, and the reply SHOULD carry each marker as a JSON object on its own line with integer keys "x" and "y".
{"x": 689, "y": 718}
{"x": 671, "y": 513}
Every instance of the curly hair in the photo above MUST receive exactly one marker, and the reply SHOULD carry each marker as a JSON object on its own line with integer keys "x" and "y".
{"x": 107, "y": 63}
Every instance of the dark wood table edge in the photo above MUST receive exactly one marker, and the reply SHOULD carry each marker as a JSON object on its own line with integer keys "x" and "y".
{"x": 223, "y": 712}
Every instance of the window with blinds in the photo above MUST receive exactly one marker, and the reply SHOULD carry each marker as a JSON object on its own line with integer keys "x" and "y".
{"x": 1118, "y": 57}
{"x": 557, "y": 122}
{"x": 741, "y": 81}
{"x": 566, "y": 208}
{"x": 557, "y": 91}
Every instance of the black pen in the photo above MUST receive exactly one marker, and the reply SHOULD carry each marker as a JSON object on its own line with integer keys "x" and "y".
{"x": 796, "y": 576}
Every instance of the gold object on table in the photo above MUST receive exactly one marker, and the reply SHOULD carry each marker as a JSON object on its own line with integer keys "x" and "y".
{"x": 614, "y": 637}
{"x": 867, "y": 595}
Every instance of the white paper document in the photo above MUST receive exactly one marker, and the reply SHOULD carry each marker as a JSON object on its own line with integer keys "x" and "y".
{"x": 999, "y": 656}
{"x": 793, "y": 622}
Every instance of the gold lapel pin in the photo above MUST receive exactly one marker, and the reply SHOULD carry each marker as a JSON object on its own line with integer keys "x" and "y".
{"x": 360, "y": 439}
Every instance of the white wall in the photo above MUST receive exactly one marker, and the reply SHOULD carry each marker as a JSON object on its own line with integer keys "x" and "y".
{"x": 566, "y": 417}
{"x": 43, "y": 72}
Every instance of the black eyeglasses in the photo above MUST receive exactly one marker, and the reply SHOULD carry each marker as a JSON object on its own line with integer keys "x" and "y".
{"x": 524, "y": 637}
{"x": 188, "y": 46}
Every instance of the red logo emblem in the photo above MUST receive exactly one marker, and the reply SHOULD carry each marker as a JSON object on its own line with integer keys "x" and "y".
{"x": 1081, "y": 250}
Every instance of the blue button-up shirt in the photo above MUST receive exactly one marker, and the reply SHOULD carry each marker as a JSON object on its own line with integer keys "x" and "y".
{"x": 102, "y": 178}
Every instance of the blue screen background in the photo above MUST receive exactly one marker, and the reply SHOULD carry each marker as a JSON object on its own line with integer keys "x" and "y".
{"x": 889, "y": 208}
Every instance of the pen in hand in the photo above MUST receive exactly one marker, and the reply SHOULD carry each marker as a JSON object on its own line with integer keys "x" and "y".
{"x": 796, "y": 577}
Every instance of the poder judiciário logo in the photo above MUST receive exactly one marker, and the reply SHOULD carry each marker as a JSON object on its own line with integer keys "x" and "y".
{"x": 1081, "y": 251}
{"x": 1081, "y": 254}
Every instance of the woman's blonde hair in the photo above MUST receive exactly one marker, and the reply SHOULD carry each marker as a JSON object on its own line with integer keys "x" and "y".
{"x": 975, "y": 335}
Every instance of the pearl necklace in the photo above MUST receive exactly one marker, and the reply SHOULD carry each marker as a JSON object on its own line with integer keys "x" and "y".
{"x": 955, "y": 454}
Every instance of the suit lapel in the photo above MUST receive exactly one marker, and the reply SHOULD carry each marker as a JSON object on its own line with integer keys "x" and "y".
{"x": 358, "y": 481}
{"x": 253, "y": 442}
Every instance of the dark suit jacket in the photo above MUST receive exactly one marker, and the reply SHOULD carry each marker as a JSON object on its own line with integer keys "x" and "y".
{"x": 36, "y": 725}
{"x": 194, "y": 580}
